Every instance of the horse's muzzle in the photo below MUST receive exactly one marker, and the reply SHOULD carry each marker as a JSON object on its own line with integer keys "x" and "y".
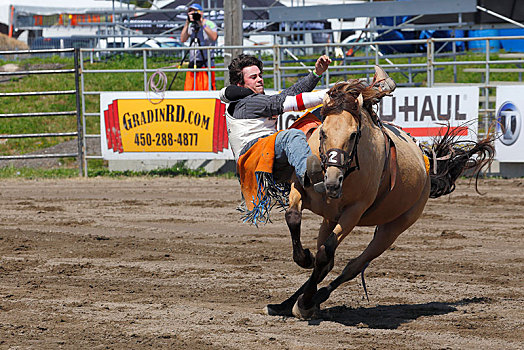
{"x": 333, "y": 184}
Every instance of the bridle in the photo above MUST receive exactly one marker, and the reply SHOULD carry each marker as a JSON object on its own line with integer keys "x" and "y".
{"x": 338, "y": 157}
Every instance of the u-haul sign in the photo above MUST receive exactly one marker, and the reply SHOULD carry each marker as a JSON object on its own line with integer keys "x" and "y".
{"x": 426, "y": 112}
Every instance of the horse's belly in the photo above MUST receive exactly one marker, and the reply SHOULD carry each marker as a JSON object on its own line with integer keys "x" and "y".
{"x": 393, "y": 206}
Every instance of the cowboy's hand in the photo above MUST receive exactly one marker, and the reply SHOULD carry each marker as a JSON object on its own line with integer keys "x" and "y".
{"x": 322, "y": 64}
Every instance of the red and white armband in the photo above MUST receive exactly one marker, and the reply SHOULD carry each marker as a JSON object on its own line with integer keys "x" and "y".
{"x": 304, "y": 100}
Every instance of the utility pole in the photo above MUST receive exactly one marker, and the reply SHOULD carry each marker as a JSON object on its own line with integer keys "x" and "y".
{"x": 232, "y": 31}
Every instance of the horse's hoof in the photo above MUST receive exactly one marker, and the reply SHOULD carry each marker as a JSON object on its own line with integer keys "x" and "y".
{"x": 277, "y": 310}
{"x": 303, "y": 313}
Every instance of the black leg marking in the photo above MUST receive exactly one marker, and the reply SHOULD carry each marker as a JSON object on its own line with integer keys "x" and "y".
{"x": 323, "y": 264}
{"x": 303, "y": 258}
{"x": 284, "y": 309}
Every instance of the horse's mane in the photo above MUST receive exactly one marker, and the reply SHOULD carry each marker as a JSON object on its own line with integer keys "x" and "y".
{"x": 343, "y": 97}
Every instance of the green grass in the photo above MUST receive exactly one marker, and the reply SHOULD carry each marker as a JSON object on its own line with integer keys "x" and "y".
{"x": 37, "y": 173}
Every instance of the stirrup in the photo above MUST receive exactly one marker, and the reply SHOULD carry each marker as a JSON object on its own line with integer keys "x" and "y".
{"x": 382, "y": 81}
{"x": 314, "y": 173}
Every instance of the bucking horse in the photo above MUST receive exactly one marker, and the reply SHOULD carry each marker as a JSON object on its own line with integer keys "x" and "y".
{"x": 375, "y": 175}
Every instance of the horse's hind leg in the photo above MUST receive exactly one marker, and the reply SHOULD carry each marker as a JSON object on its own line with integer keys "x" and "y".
{"x": 303, "y": 257}
{"x": 383, "y": 238}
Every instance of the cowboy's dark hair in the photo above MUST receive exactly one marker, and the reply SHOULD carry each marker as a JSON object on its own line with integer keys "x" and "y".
{"x": 237, "y": 64}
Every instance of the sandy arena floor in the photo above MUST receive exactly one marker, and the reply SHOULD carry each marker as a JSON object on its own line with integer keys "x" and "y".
{"x": 165, "y": 263}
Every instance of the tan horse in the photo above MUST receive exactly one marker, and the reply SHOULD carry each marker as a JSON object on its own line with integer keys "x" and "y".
{"x": 374, "y": 176}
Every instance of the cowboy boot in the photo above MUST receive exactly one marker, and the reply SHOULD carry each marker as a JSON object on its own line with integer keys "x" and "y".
{"x": 382, "y": 81}
{"x": 315, "y": 174}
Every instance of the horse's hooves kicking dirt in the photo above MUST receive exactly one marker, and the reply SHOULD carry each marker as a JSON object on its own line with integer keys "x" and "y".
{"x": 304, "y": 314}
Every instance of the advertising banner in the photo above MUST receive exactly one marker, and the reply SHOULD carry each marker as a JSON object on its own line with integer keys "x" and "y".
{"x": 425, "y": 112}
{"x": 509, "y": 146}
{"x": 180, "y": 126}
{"x": 192, "y": 125}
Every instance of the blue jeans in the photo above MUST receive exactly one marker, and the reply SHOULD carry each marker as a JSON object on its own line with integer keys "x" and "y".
{"x": 292, "y": 148}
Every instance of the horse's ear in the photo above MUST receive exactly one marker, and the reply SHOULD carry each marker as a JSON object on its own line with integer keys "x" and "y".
{"x": 326, "y": 99}
{"x": 360, "y": 100}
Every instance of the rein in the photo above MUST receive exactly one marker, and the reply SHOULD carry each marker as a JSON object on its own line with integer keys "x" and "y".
{"x": 339, "y": 158}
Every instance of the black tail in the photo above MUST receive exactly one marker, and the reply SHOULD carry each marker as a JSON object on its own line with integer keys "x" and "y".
{"x": 449, "y": 158}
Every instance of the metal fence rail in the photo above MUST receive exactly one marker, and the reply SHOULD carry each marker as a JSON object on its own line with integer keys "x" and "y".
{"x": 80, "y": 154}
{"x": 38, "y": 114}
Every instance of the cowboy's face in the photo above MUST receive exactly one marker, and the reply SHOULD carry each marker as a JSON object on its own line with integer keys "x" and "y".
{"x": 253, "y": 79}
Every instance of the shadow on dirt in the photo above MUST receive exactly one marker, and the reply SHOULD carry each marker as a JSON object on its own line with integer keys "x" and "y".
{"x": 389, "y": 316}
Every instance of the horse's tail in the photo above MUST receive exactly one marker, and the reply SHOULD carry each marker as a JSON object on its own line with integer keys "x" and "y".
{"x": 449, "y": 158}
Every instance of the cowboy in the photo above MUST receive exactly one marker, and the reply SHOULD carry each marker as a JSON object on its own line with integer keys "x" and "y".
{"x": 203, "y": 32}
{"x": 252, "y": 115}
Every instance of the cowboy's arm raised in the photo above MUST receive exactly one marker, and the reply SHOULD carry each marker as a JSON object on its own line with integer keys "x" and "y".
{"x": 309, "y": 82}
{"x": 309, "y": 99}
{"x": 299, "y": 102}
{"x": 264, "y": 106}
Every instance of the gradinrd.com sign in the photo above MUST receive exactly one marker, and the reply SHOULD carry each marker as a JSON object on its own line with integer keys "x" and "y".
{"x": 180, "y": 126}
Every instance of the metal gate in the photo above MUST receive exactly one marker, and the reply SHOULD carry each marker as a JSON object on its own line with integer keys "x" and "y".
{"x": 80, "y": 154}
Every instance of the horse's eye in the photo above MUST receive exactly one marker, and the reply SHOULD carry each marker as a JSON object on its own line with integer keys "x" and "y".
{"x": 322, "y": 134}
{"x": 352, "y": 136}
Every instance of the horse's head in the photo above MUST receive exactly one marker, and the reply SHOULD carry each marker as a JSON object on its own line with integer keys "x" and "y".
{"x": 340, "y": 133}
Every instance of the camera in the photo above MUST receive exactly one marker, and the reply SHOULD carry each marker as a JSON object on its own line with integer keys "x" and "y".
{"x": 196, "y": 17}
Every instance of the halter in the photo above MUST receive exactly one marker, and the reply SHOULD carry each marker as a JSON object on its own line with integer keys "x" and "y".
{"x": 339, "y": 158}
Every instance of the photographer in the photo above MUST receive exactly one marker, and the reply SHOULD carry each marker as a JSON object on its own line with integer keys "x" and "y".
{"x": 201, "y": 32}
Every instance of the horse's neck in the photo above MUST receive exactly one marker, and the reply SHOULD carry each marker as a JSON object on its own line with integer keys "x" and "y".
{"x": 369, "y": 127}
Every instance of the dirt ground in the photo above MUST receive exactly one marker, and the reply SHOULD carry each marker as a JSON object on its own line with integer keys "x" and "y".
{"x": 166, "y": 263}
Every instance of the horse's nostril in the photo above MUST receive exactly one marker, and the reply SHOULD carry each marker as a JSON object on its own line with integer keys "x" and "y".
{"x": 341, "y": 178}
{"x": 332, "y": 187}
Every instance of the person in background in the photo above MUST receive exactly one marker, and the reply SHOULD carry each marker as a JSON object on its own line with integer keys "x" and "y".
{"x": 201, "y": 32}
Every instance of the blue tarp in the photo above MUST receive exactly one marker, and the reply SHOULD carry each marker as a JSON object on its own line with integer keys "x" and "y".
{"x": 516, "y": 45}
{"x": 412, "y": 35}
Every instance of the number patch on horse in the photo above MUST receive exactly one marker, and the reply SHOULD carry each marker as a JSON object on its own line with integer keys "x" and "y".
{"x": 336, "y": 157}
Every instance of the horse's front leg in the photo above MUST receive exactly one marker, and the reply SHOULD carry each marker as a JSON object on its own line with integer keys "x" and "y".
{"x": 305, "y": 305}
{"x": 285, "y": 308}
{"x": 303, "y": 257}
